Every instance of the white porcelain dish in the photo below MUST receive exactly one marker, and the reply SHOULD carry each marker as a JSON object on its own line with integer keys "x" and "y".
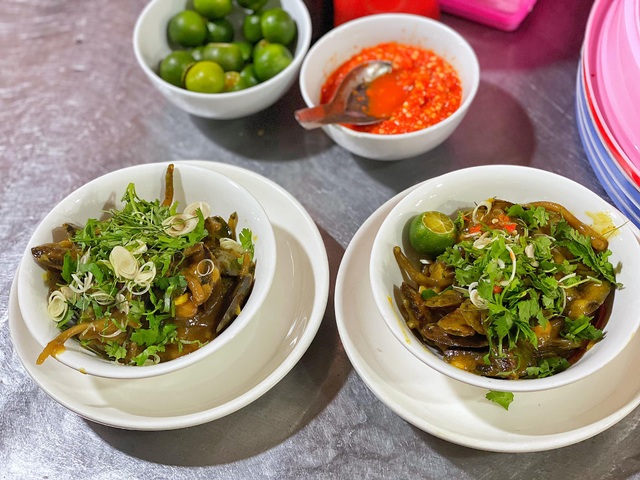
{"x": 467, "y": 187}
{"x": 341, "y": 43}
{"x": 191, "y": 183}
{"x": 273, "y": 345}
{"x": 150, "y": 46}
{"x": 458, "y": 412}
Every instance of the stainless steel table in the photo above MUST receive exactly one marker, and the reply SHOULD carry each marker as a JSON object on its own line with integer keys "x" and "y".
{"x": 74, "y": 105}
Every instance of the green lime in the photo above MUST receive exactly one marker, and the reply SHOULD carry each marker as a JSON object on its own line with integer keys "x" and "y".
{"x": 247, "y": 49}
{"x": 251, "y": 28}
{"x": 173, "y": 66}
{"x": 248, "y": 77}
{"x": 227, "y": 55}
{"x": 252, "y": 4}
{"x": 431, "y": 233}
{"x": 270, "y": 59}
{"x": 204, "y": 77}
{"x": 277, "y": 26}
{"x": 213, "y": 8}
{"x": 220, "y": 30}
{"x": 232, "y": 82}
{"x": 258, "y": 47}
{"x": 197, "y": 52}
{"x": 187, "y": 28}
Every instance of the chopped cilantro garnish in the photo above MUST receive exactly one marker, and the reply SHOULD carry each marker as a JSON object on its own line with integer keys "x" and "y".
{"x": 115, "y": 351}
{"x": 68, "y": 267}
{"x": 581, "y": 329}
{"x": 548, "y": 367}
{"x": 427, "y": 293}
{"x": 534, "y": 217}
{"x": 503, "y": 399}
{"x": 139, "y": 221}
{"x": 100, "y": 291}
{"x": 580, "y": 247}
{"x": 522, "y": 280}
{"x": 246, "y": 241}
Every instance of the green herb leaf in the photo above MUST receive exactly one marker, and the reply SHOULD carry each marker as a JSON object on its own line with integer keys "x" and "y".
{"x": 142, "y": 358}
{"x": 246, "y": 240}
{"x": 199, "y": 232}
{"x": 580, "y": 247}
{"x": 115, "y": 351}
{"x": 503, "y": 399}
{"x": 548, "y": 367}
{"x": 427, "y": 293}
{"x": 581, "y": 329}
{"x": 94, "y": 268}
{"x": 534, "y": 217}
{"x": 68, "y": 267}
{"x": 177, "y": 282}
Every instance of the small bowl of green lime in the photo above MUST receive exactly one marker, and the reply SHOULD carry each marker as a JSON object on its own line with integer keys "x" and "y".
{"x": 222, "y": 59}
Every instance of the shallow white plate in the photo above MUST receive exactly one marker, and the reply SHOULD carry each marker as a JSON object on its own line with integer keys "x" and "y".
{"x": 273, "y": 345}
{"x": 458, "y": 412}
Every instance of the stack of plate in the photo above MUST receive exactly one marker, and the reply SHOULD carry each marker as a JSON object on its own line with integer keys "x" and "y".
{"x": 607, "y": 99}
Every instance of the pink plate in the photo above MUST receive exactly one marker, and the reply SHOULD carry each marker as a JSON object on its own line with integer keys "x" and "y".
{"x": 632, "y": 27}
{"x": 625, "y": 182}
{"x": 620, "y": 74}
{"x": 594, "y": 90}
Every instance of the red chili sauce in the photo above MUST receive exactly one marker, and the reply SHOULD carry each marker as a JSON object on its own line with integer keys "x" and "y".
{"x": 422, "y": 90}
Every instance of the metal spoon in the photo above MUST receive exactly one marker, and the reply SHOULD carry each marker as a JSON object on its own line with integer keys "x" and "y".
{"x": 350, "y": 102}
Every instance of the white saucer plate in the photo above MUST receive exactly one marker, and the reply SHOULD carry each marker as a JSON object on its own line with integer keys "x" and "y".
{"x": 232, "y": 377}
{"x": 457, "y": 412}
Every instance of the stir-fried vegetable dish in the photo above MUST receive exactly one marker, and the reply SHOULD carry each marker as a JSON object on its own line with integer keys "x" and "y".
{"x": 148, "y": 284}
{"x": 522, "y": 292}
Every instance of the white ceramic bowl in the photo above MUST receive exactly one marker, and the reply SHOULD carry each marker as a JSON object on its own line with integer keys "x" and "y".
{"x": 464, "y": 188}
{"x": 150, "y": 47}
{"x": 191, "y": 184}
{"x": 341, "y": 43}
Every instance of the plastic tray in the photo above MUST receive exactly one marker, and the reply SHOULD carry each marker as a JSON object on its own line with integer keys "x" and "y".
{"x": 502, "y": 14}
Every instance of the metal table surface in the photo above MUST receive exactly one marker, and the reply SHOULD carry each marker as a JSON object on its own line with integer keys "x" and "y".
{"x": 74, "y": 105}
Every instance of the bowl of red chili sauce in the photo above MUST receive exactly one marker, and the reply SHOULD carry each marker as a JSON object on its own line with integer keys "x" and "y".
{"x": 434, "y": 80}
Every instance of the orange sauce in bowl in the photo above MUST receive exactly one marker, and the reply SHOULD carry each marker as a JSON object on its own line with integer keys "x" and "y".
{"x": 386, "y": 94}
{"x": 422, "y": 90}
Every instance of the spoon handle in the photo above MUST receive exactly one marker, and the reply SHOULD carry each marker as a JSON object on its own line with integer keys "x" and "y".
{"x": 314, "y": 117}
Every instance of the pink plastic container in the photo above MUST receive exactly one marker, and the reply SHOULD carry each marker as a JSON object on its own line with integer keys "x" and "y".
{"x": 501, "y": 14}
